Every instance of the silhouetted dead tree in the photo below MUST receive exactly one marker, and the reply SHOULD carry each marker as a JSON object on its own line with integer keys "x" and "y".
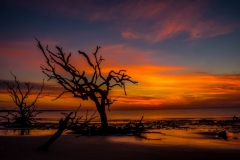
{"x": 24, "y": 113}
{"x": 95, "y": 88}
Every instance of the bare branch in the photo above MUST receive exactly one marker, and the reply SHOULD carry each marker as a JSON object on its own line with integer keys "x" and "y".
{"x": 59, "y": 95}
{"x": 87, "y": 58}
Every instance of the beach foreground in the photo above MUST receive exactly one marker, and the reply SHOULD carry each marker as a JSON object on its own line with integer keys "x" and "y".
{"x": 109, "y": 148}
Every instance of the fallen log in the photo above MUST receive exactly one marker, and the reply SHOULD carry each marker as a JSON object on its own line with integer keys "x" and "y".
{"x": 62, "y": 126}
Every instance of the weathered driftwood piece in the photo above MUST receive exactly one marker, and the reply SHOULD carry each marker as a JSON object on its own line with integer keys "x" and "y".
{"x": 236, "y": 119}
{"x": 134, "y": 128}
{"x": 223, "y": 135}
{"x": 78, "y": 127}
{"x": 62, "y": 126}
{"x": 70, "y": 122}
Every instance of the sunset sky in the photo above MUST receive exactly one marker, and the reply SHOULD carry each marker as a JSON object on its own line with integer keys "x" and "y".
{"x": 182, "y": 53}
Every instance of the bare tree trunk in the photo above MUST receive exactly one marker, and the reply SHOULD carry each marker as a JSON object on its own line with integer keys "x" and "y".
{"x": 103, "y": 117}
{"x": 22, "y": 131}
{"x": 101, "y": 111}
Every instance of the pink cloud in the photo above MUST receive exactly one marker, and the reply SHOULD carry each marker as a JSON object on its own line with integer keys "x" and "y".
{"x": 22, "y": 47}
{"x": 129, "y": 35}
{"x": 172, "y": 20}
{"x": 210, "y": 29}
{"x": 149, "y": 20}
{"x": 122, "y": 54}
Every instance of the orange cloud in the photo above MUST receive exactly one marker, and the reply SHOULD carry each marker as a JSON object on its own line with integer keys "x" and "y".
{"x": 154, "y": 90}
{"x": 182, "y": 90}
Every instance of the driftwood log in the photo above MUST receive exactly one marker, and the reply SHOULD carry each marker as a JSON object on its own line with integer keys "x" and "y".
{"x": 62, "y": 126}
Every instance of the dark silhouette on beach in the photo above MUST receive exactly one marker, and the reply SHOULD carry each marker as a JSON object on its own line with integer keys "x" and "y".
{"x": 71, "y": 123}
{"x": 24, "y": 114}
{"x": 96, "y": 88}
{"x": 62, "y": 126}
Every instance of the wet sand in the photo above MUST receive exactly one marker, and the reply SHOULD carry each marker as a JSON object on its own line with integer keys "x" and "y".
{"x": 116, "y": 147}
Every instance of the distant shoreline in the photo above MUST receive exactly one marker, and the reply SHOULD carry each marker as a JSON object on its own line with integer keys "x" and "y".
{"x": 50, "y": 110}
{"x": 131, "y": 109}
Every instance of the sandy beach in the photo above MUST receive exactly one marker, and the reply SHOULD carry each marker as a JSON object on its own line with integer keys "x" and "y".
{"x": 114, "y": 148}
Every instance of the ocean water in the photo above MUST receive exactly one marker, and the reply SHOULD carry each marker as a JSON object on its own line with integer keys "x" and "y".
{"x": 119, "y": 116}
{"x": 156, "y": 114}
{"x": 180, "y": 113}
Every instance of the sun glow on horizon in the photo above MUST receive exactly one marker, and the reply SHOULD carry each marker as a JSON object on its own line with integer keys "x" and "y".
{"x": 155, "y": 90}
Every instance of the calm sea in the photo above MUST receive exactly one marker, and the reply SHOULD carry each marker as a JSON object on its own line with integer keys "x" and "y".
{"x": 124, "y": 116}
{"x": 156, "y": 114}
